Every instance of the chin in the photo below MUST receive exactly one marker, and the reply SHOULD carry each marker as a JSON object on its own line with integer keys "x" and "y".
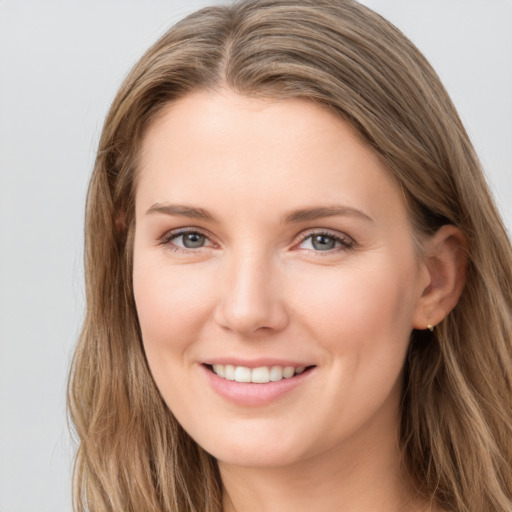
{"x": 257, "y": 448}
{"x": 255, "y": 457}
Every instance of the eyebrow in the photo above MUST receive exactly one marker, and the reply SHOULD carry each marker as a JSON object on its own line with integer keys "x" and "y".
{"x": 307, "y": 214}
{"x": 293, "y": 217}
{"x": 181, "y": 211}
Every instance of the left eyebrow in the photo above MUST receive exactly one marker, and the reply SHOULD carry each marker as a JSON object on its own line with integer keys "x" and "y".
{"x": 307, "y": 214}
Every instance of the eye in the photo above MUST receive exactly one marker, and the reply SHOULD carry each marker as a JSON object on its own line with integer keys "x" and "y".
{"x": 323, "y": 242}
{"x": 186, "y": 239}
{"x": 191, "y": 240}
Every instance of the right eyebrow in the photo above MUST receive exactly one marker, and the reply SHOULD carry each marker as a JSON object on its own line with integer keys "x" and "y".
{"x": 179, "y": 210}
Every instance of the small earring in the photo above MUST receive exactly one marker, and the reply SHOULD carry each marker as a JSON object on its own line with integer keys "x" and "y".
{"x": 430, "y": 327}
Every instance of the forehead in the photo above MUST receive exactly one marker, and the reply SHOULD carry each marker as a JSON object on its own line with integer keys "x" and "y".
{"x": 209, "y": 145}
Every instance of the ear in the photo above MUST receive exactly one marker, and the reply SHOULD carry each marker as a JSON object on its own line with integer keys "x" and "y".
{"x": 445, "y": 260}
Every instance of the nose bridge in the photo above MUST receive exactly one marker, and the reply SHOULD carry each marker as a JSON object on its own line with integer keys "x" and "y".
{"x": 250, "y": 296}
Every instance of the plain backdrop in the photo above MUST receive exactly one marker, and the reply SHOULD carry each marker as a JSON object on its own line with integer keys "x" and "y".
{"x": 60, "y": 65}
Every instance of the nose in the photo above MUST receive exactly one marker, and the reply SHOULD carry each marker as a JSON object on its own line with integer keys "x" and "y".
{"x": 251, "y": 297}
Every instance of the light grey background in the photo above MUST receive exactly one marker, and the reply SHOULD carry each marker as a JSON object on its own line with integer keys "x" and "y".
{"x": 60, "y": 65}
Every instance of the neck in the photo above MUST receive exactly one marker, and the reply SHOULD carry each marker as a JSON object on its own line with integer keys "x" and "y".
{"x": 334, "y": 484}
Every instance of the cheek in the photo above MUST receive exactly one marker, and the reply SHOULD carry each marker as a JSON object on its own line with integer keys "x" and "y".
{"x": 363, "y": 306}
{"x": 362, "y": 318}
{"x": 172, "y": 306}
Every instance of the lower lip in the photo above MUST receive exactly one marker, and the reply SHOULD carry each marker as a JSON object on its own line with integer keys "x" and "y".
{"x": 249, "y": 394}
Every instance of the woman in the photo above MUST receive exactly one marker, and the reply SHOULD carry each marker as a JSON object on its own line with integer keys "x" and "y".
{"x": 299, "y": 290}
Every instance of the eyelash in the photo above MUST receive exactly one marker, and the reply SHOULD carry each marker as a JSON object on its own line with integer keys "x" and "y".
{"x": 345, "y": 242}
{"x": 167, "y": 239}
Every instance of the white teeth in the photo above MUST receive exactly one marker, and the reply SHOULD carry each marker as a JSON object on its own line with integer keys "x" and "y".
{"x": 288, "y": 372}
{"x": 276, "y": 373}
{"x": 260, "y": 375}
{"x": 229, "y": 371}
{"x": 219, "y": 370}
{"x": 242, "y": 374}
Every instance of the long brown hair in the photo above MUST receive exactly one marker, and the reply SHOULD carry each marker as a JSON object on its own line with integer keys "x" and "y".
{"x": 456, "y": 427}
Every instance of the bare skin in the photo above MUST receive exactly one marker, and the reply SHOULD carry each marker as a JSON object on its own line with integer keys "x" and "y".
{"x": 368, "y": 478}
{"x": 269, "y": 235}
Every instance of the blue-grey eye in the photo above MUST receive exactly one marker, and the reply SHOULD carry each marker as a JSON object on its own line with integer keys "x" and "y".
{"x": 193, "y": 240}
{"x": 323, "y": 242}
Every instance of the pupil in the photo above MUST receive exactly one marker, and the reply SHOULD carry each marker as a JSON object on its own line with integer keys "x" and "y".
{"x": 193, "y": 240}
{"x": 323, "y": 242}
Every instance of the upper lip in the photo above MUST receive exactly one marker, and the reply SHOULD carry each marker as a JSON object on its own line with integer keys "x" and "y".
{"x": 256, "y": 363}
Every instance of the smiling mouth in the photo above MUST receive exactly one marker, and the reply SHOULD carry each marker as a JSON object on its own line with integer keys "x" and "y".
{"x": 260, "y": 375}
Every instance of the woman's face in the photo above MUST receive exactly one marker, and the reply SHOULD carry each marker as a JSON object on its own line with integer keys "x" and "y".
{"x": 272, "y": 246}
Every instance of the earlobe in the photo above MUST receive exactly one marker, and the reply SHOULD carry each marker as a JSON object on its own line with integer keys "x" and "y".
{"x": 446, "y": 262}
